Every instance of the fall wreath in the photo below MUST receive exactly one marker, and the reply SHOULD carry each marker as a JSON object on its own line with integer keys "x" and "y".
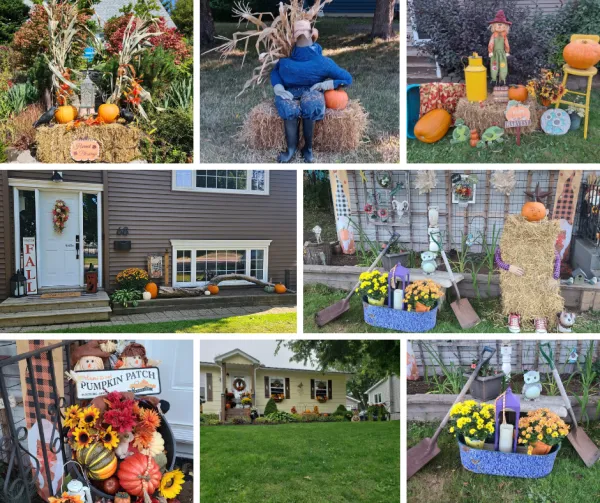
{"x": 60, "y": 215}
{"x": 239, "y": 384}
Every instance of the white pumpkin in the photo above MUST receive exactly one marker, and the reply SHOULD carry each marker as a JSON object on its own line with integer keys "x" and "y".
{"x": 147, "y": 296}
{"x": 207, "y": 293}
{"x": 157, "y": 445}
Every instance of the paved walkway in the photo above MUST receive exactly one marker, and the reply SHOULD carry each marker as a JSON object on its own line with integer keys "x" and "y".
{"x": 186, "y": 314}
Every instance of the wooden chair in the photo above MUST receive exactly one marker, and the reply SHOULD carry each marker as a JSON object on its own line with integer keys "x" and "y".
{"x": 590, "y": 74}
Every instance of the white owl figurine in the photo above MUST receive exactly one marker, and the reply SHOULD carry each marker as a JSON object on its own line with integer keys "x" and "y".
{"x": 428, "y": 263}
{"x": 533, "y": 387}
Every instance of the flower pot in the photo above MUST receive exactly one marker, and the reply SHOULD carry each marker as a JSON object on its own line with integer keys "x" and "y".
{"x": 395, "y": 319}
{"x": 473, "y": 442}
{"x": 375, "y": 302}
{"x": 575, "y": 121}
{"x": 486, "y": 388}
{"x": 391, "y": 259}
{"x": 545, "y": 102}
{"x": 540, "y": 448}
{"x": 421, "y": 308}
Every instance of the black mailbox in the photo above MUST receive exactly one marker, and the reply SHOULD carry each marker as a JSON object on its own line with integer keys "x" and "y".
{"x": 122, "y": 245}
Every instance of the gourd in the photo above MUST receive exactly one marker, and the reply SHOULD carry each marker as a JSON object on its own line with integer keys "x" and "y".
{"x": 279, "y": 288}
{"x": 111, "y": 485}
{"x": 213, "y": 289}
{"x": 100, "y": 462}
{"x": 433, "y": 126}
{"x": 336, "y": 99}
{"x": 122, "y": 498}
{"x": 518, "y": 93}
{"x": 146, "y": 295}
{"x": 157, "y": 445}
{"x": 582, "y": 54}
{"x": 108, "y": 112}
{"x": 65, "y": 114}
{"x": 533, "y": 211}
{"x": 269, "y": 289}
{"x": 474, "y": 138}
{"x": 153, "y": 289}
{"x": 139, "y": 475}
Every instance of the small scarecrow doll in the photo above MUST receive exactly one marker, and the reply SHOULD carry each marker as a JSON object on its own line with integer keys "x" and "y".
{"x": 133, "y": 357}
{"x": 498, "y": 47}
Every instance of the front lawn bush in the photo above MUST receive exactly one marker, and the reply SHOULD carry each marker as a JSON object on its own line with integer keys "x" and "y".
{"x": 282, "y": 417}
{"x": 239, "y": 420}
{"x": 271, "y": 407}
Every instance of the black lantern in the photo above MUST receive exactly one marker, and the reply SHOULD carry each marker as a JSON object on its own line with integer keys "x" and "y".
{"x": 57, "y": 176}
{"x": 18, "y": 284}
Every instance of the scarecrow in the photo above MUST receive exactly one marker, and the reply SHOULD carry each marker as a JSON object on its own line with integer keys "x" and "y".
{"x": 133, "y": 357}
{"x": 498, "y": 47}
{"x": 299, "y": 82}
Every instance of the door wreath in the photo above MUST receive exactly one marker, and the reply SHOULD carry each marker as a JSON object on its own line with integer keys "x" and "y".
{"x": 239, "y": 384}
{"x": 60, "y": 215}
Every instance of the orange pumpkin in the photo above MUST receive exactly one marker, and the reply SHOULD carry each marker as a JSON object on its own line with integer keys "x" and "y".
{"x": 108, "y": 112}
{"x": 122, "y": 498}
{"x": 336, "y": 99}
{"x": 533, "y": 211}
{"x": 433, "y": 126}
{"x": 279, "y": 288}
{"x": 213, "y": 289}
{"x": 582, "y": 54}
{"x": 518, "y": 93}
{"x": 474, "y": 142}
{"x": 474, "y": 134}
{"x": 65, "y": 114}
{"x": 139, "y": 475}
{"x": 152, "y": 288}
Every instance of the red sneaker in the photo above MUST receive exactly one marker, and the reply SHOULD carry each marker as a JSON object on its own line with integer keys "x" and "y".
{"x": 541, "y": 326}
{"x": 514, "y": 323}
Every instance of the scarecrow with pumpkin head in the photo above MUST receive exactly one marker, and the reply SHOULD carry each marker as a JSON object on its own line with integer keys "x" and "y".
{"x": 498, "y": 47}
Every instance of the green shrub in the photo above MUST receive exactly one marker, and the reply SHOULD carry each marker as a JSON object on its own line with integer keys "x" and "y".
{"x": 282, "y": 417}
{"x": 13, "y": 13}
{"x": 3, "y": 157}
{"x": 239, "y": 420}
{"x": 170, "y": 136}
{"x": 126, "y": 297}
{"x": 208, "y": 417}
{"x": 263, "y": 420}
{"x": 212, "y": 422}
{"x": 271, "y": 407}
{"x": 338, "y": 419}
{"x": 183, "y": 17}
{"x": 309, "y": 418}
{"x": 180, "y": 94}
{"x": 341, "y": 410}
{"x": 19, "y": 96}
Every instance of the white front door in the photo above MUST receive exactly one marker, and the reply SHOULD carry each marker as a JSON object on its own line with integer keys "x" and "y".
{"x": 60, "y": 264}
{"x": 244, "y": 382}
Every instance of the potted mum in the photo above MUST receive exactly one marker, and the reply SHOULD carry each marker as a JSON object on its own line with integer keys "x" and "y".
{"x": 422, "y": 296}
{"x": 373, "y": 286}
{"x": 541, "y": 430}
{"x": 474, "y": 421}
{"x": 488, "y": 383}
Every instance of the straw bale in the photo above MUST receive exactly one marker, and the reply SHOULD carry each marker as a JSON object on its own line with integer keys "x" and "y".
{"x": 339, "y": 131}
{"x": 530, "y": 245}
{"x": 118, "y": 143}
{"x": 492, "y": 114}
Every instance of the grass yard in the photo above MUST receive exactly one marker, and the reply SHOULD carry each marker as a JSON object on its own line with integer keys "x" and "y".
{"x": 444, "y": 479}
{"x": 252, "y": 323}
{"x": 317, "y": 297}
{"x": 301, "y": 463}
{"x": 374, "y": 66}
{"x": 537, "y": 147}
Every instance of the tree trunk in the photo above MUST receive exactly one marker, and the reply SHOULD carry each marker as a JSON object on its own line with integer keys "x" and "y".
{"x": 383, "y": 20}
{"x": 207, "y": 25}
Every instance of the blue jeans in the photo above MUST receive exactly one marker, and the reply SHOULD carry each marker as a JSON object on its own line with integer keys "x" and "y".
{"x": 306, "y": 104}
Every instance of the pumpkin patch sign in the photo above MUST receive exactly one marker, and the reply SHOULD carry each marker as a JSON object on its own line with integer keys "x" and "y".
{"x": 94, "y": 383}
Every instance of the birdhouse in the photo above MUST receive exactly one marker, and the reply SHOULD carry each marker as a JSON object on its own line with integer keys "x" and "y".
{"x": 507, "y": 431}
{"x": 88, "y": 97}
{"x": 398, "y": 274}
{"x": 579, "y": 276}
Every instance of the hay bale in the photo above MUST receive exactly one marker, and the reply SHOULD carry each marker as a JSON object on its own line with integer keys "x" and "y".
{"x": 339, "y": 131}
{"x": 118, "y": 143}
{"x": 531, "y": 246}
{"x": 492, "y": 114}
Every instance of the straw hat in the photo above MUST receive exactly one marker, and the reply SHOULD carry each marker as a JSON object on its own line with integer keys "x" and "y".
{"x": 91, "y": 348}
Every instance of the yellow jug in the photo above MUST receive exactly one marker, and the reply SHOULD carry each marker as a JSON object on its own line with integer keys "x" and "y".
{"x": 476, "y": 79}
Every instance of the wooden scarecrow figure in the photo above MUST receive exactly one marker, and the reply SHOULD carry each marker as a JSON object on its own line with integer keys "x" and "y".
{"x": 499, "y": 48}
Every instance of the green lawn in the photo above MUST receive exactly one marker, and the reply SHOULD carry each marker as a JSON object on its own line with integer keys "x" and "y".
{"x": 376, "y": 83}
{"x": 444, "y": 479}
{"x": 301, "y": 463}
{"x": 537, "y": 147}
{"x": 252, "y": 323}
{"x": 317, "y": 297}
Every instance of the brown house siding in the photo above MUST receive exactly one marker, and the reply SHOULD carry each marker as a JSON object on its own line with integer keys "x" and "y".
{"x": 144, "y": 202}
{"x": 5, "y": 241}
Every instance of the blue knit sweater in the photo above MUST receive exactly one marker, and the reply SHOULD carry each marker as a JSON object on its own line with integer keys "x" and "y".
{"x": 307, "y": 66}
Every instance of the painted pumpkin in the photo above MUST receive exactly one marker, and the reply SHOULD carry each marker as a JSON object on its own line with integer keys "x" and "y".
{"x": 279, "y": 288}
{"x": 518, "y": 93}
{"x": 108, "y": 112}
{"x": 213, "y": 289}
{"x": 139, "y": 475}
{"x": 518, "y": 113}
{"x": 122, "y": 498}
{"x": 100, "y": 462}
{"x": 336, "y": 99}
{"x": 152, "y": 288}
{"x": 533, "y": 211}
{"x": 433, "y": 126}
{"x": 65, "y": 114}
{"x": 582, "y": 54}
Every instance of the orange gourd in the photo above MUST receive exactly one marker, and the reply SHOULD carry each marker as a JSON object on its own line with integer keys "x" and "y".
{"x": 473, "y": 142}
{"x": 533, "y": 211}
{"x": 336, "y": 99}
{"x": 152, "y": 288}
{"x": 139, "y": 475}
{"x": 582, "y": 54}
{"x": 518, "y": 93}
{"x": 65, "y": 114}
{"x": 108, "y": 112}
{"x": 433, "y": 126}
{"x": 122, "y": 498}
{"x": 474, "y": 134}
{"x": 279, "y": 288}
{"x": 213, "y": 289}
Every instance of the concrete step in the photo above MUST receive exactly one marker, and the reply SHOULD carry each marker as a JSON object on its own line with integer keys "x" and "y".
{"x": 37, "y": 318}
{"x": 421, "y": 80}
{"x": 35, "y": 303}
{"x": 420, "y": 63}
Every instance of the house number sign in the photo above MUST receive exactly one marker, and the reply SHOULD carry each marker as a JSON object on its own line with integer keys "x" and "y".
{"x": 93, "y": 383}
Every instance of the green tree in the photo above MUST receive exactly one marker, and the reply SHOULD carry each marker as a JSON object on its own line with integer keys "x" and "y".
{"x": 271, "y": 407}
{"x": 182, "y": 15}
{"x": 13, "y": 13}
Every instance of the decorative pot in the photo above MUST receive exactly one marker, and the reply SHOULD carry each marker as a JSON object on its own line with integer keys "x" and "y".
{"x": 486, "y": 388}
{"x": 146, "y": 295}
{"x": 376, "y": 302}
{"x": 575, "y": 121}
{"x": 421, "y": 308}
{"x": 545, "y": 102}
{"x": 540, "y": 448}
{"x": 473, "y": 442}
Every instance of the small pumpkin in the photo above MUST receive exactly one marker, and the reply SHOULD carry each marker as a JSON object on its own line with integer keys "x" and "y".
{"x": 279, "y": 288}
{"x": 336, "y": 99}
{"x": 474, "y": 142}
{"x": 139, "y": 475}
{"x": 122, "y": 498}
{"x": 152, "y": 288}
{"x": 269, "y": 289}
{"x": 433, "y": 126}
{"x": 108, "y": 112}
{"x": 111, "y": 485}
{"x": 518, "y": 93}
{"x": 65, "y": 114}
{"x": 582, "y": 54}
{"x": 474, "y": 134}
{"x": 213, "y": 289}
{"x": 99, "y": 462}
{"x": 533, "y": 211}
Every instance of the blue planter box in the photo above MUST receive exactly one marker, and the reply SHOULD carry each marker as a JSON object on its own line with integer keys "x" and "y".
{"x": 512, "y": 464}
{"x": 394, "y": 319}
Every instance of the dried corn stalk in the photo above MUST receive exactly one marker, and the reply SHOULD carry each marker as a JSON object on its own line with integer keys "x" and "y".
{"x": 272, "y": 41}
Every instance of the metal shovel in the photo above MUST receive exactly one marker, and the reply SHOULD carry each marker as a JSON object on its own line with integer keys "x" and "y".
{"x": 579, "y": 439}
{"x": 336, "y": 310}
{"x": 427, "y": 449}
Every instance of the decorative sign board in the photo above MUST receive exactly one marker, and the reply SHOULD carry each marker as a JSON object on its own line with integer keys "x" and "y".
{"x": 93, "y": 383}
{"x": 518, "y": 125}
{"x": 155, "y": 266}
{"x": 500, "y": 94}
{"x": 85, "y": 150}
{"x": 30, "y": 265}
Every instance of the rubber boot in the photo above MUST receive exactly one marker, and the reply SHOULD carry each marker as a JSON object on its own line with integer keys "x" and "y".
{"x": 290, "y": 127}
{"x": 308, "y": 129}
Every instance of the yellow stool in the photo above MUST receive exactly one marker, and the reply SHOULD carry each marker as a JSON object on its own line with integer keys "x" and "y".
{"x": 589, "y": 73}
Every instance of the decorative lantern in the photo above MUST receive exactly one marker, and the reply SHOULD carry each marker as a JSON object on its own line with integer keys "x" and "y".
{"x": 396, "y": 295}
{"x": 18, "y": 284}
{"x": 507, "y": 433}
{"x": 87, "y": 100}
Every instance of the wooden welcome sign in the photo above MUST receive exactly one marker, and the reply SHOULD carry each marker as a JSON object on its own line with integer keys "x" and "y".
{"x": 85, "y": 150}
{"x": 94, "y": 383}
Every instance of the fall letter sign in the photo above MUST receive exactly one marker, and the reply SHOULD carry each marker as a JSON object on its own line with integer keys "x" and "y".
{"x": 30, "y": 265}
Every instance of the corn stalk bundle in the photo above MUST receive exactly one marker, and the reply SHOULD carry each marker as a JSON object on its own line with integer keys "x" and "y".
{"x": 272, "y": 41}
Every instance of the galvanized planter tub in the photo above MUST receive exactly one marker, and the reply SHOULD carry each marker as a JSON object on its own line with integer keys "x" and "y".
{"x": 394, "y": 319}
{"x": 521, "y": 465}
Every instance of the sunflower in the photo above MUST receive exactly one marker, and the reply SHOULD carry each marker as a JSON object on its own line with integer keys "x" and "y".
{"x": 110, "y": 439}
{"x": 171, "y": 484}
{"x": 88, "y": 417}
{"x": 82, "y": 438}
{"x": 72, "y": 416}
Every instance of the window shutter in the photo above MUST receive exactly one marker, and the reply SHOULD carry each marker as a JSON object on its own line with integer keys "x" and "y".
{"x": 312, "y": 389}
{"x": 329, "y": 390}
{"x": 209, "y": 390}
{"x": 267, "y": 389}
{"x": 287, "y": 387}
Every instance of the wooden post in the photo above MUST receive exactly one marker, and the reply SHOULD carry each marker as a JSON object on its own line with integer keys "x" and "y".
{"x": 223, "y": 390}
{"x": 536, "y": 360}
{"x": 376, "y": 206}
{"x": 448, "y": 210}
{"x": 557, "y": 350}
{"x": 167, "y": 266}
{"x": 520, "y": 356}
{"x": 422, "y": 354}
{"x": 551, "y": 189}
{"x": 486, "y": 210}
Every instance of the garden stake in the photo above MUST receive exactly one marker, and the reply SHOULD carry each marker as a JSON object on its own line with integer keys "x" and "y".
{"x": 336, "y": 310}
{"x": 579, "y": 439}
{"x": 427, "y": 449}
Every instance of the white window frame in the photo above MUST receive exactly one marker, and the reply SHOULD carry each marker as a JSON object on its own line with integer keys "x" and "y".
{"x": 271, "y": 379}
{"x": 195, "y": 245}
{"x": 220, "y": 191}
{"x": 319, "y": 379}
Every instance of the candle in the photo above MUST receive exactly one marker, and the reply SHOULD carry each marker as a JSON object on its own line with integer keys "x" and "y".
{"x": 398, "y": 299}
{"x": 506, "y": 437}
